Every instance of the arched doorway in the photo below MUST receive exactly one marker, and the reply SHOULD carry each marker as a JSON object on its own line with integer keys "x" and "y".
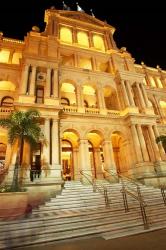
{"x": 69, "y": 155}
{"x": 95, "y": 139}
{"x": 121, "y": 152}
{"x": 67, "y": 160}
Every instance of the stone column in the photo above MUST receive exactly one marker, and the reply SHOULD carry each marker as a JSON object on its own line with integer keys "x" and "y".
{"x": 109, "y": 45}
{"x": 98, "y": 163}
{"x": 145, "y": 95}
{"x": 131, "y": 99}
{"x": 91, "y": 45}
{"x": 161, "y": 149}
{"x": 55, "y": 143}
{"x": 79, "y": 95}
{"x": 8, "y": 155}
{"x": 46, "y": 148}
{"x": 109, "y": 162}
{"x": 76, "y": 164}
{"x": 100, "y": 97}
{"x": 55, "y": 84}
{"x": 140, "y": 95}
{"x": 142, "y": 143}
{"x": 126, "y": 100}
{"x": 154, "y": 144}
{"x": 85, "y": 163}
{"x": 48, "y": 83}
{"x": 137, "y": 146}
{"x": 76, "y": 61}
{"x": 33, "y": 81}
{"x": 24, "y": 80}
{"x": 74, "y": 34}
{"x": 94, "y": 66}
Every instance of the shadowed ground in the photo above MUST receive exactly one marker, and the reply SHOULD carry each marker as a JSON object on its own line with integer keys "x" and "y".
{"x": 148, "y": 241}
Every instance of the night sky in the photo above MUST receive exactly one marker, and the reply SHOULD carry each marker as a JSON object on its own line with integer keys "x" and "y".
{"x": 140, "y": 27}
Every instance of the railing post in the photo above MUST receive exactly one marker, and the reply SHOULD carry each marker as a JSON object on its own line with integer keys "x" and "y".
{"x": 94, "y": 185}
{"x": 124, "y": 196}
{"x": 106, "y": 197}
{"x": 142, "y": 207}
{"x": 163, "y": 195}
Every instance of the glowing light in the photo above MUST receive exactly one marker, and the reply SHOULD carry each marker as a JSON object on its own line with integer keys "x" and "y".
{"x": 83, "y": 38}
{"x": 4, "y": 56}
{"x": 67, "y": 87}
{"x": 98, "y": 42}
{"x": 16, "y": 58}
{"x": 66, "y": 35}
{"x": 7, "y": 85}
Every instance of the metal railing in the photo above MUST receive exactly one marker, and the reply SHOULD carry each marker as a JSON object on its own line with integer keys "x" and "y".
{"x": 102, "y": 189}
{"x": 134, "y": 193}
{"x": 163, "y": 188}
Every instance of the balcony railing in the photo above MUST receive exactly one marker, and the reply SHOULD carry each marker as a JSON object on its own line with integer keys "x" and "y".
{"x": 70, "y": 109}
{"x": 5, "y": 111}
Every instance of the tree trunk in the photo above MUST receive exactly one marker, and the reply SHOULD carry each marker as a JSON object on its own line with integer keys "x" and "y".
{"x": 15, "y": 183}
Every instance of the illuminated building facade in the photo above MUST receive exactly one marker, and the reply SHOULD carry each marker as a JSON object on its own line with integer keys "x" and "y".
{"x": 98, "y": 108}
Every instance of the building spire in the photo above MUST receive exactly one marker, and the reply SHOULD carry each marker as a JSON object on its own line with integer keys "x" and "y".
{"x": 79, "y": 8}
{"x": 92, "y": 13}
{"x": 65, "y": 7}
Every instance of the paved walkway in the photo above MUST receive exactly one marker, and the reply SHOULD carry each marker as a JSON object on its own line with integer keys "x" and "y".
{"x": 148, "y": 241}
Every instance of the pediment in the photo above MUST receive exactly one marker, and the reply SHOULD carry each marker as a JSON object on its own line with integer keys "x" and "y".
{"x": 81, "y": 16}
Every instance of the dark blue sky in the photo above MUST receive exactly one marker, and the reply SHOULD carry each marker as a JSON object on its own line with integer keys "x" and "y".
{"x": 140, "y": 26}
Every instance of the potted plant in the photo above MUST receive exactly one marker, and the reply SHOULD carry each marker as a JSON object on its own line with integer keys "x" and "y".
{"x": 21, "y": 126}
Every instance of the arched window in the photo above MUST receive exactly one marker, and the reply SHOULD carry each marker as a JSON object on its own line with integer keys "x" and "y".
{"x": 7, "y": 101}
{"x": 82, "y": 38}
{"x": 65, "y": 101}
{"x": 66, "y": 35}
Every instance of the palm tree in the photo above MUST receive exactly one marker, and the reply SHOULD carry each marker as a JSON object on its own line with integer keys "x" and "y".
{"x": 22, "y": 127}
{"x": 162, "y": 139}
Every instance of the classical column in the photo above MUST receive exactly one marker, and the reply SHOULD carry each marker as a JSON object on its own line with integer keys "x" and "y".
{"x": 137, "y": 146}
{"x": 91, "y": 45}
{"x": 109, "y": 162}
{"x": 55, "y": 143}
{"x": 8, "y": 155}
{"x": 85, "y": 163}
{"x": 55, "y": 83}
{"x": 76, "y": 163}
{"x": 74, "y": 34}
{"x": 100, "y": 97}
{"x": 98, "y": 163}
{"x": 46, "y": 148}
{"x": 76, "y": 62}
{"x": 142, "y": 143}
{"x": 126, "y": 100}
{"x": 109, "y": 45}
{"x": 140, "y": 95}
{"x": 79, "y": 95}
{"x": 131, "y": 100}
{"x": 48, "y": 83}
{"x": 24, "y": 80}
{"x": 94, "y": 64}
{"x": 161, "y": 149}
{"x": 11, "y": 56}
{"x": 154, "y": 144}
{"x": 33, "y": 81}
{"x": 145, "y": 95}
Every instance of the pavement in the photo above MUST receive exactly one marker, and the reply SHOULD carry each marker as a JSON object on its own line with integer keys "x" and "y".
{"x": 155, "y": 240}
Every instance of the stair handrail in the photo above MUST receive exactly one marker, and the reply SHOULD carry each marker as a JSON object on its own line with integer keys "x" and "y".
{"x": 137, "y": 196}
{"x": 92, "y": 181}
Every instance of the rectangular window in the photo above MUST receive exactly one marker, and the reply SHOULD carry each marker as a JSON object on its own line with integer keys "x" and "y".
{"x": 40, "y": 95}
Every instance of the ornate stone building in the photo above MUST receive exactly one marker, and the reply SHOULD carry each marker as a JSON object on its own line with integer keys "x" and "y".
{"x": 98, "y": 108}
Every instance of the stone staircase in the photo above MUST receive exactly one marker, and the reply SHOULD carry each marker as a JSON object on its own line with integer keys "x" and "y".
{"x": 79, "y": 212}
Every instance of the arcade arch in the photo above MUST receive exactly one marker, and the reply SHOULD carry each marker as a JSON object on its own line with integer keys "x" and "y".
{"x": 121, "y": 152}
